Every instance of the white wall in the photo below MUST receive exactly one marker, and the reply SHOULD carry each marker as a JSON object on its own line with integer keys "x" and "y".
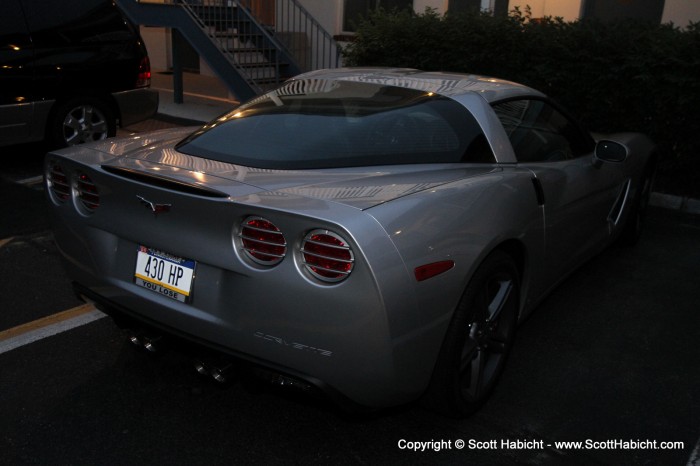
{"x": 330, "y": 12}
{"x": 420, "y": 5}
{"x": 326, "y": 12}
{"x": 157, "y": 42}
{"x": 570, "y": 10}
{"x": 681, "y": 12}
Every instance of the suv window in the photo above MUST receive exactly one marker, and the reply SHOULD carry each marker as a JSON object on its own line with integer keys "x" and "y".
{"x": 73, "y": 22}
{"x": 15, "y": 77}
{"x": 12, "y": 25}
{"x": 540, "y": 133}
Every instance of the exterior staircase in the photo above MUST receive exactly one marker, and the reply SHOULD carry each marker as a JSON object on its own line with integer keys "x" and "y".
{"x": 252, "y": 45}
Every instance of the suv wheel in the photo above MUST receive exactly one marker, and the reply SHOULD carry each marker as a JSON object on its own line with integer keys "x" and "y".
{"x": 81, "y": 120}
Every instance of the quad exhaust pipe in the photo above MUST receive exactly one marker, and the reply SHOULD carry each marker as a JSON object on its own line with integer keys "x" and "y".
{"x": 151, "y": 343}
{"x": 221, "y": 371}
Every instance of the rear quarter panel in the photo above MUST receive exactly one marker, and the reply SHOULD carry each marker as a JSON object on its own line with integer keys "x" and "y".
{"x": 461, "y": 221}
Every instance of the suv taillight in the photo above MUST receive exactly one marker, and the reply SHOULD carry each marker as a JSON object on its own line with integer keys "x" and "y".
{"x": 144, "y": 77}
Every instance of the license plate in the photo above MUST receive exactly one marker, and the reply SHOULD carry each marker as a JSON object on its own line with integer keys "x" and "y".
{"x": 164, "y": 273}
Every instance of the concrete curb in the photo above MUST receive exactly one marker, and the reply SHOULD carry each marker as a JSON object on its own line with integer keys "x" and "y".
{"x": 682, "y": 204}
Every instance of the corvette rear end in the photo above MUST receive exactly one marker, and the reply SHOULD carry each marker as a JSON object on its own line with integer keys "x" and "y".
{"x": 309, "y": 287}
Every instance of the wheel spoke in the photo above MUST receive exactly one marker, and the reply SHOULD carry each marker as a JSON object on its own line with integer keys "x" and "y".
{"x": 496, "y": 345}
{"x": 87, "y": 114}
{"x": 500, "y": 299}
{"x": 471, "y": 347}
{"x": 72, "y": 123}
{"x": 473, "y": 381}
{"x": 73, "y": 139}
{"x": 99, "y": 128}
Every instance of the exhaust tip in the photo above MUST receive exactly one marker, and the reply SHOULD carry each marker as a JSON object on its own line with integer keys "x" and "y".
{"x": 220, "y": 370}
{"x": 222, "y": 374}
{"x": 151, "y": 343}
{"x": 281, "y": 380}
{"x": 201, "y": 368}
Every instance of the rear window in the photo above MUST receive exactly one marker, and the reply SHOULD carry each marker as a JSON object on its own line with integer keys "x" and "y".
{"x": 327, "y": 124}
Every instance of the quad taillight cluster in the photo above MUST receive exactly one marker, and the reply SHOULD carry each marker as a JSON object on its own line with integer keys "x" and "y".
{"x": 86, "y": 192}
{"x": 325, "y": 255}
{"x": 58, "y": 182}
{"x": 262, "y": 241}
{"x": 78, "y": 185}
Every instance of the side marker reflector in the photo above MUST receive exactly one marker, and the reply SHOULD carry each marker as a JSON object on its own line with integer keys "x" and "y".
{"x": 427, "y": 271}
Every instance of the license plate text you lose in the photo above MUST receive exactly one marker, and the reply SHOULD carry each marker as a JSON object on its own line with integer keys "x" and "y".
{"x": 164, "y": 273}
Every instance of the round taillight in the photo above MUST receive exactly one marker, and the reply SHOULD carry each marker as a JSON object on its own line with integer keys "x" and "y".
{"x": 58, "y": 182}
{"x": 262, "y": 241}
{"x": 327, "y": 256}
{"x": 86, "y": 193}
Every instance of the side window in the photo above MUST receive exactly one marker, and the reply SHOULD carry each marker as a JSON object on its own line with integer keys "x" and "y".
{"x": 16, "y": 56}
{"x": 74, "y": 22}
{"x": 12, "y": 26}
{"x": 540, "y": 133}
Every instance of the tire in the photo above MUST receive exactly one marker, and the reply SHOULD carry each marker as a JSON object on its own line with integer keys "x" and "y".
{"x": 634, "y": 224}
{"x": 478, "y": 339}
{"x": 81, "y": 120}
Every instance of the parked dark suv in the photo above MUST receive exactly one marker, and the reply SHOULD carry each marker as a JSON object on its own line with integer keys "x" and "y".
{"x": 70, "y": 71}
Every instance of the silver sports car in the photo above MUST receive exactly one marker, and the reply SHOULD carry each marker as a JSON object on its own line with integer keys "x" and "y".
{"x": 373, "y": 233}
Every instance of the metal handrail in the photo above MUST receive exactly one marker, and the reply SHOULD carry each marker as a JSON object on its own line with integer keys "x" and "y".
{"x": 264, "y": 41}
{"x": 267, "y": 41}
{"x": 323, "y": 52}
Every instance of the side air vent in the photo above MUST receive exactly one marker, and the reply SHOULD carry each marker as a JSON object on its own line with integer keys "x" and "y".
{"x": 327, "y": 256}
{"x": 618, "y": 207}
{"x": 163, "y": 182}
{"x": 262, "y": 241}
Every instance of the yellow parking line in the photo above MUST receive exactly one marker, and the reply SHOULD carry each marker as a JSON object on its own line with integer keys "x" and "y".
{"x": 3, "y": 242}
{"x": 46, "y": 321}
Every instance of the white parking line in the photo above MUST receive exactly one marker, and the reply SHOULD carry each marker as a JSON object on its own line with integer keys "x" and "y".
{"x": 33, "y": 180}
{"x": 48, "y": 326}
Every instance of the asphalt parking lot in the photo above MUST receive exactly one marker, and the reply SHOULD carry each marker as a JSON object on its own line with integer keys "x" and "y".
{"x": 610, "y": 360}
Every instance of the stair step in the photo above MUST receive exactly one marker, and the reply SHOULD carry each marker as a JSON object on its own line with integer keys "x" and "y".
{"x": 261, "y": 73}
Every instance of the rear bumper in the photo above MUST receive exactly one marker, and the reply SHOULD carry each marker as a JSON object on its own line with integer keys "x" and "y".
{"x": 192, "y": 345}
{"x": 136, "y": 105}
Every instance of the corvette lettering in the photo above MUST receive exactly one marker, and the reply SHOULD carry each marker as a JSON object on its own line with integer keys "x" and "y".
{"x": 299, "y": 346}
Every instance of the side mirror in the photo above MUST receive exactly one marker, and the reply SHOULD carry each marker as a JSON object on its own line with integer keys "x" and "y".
{"x": 609, "y": 151}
